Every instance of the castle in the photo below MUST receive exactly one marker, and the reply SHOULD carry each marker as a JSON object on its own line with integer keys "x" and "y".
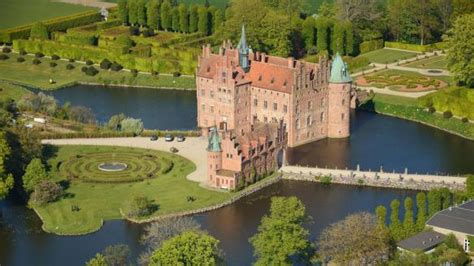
{"x": 252, "y": 106}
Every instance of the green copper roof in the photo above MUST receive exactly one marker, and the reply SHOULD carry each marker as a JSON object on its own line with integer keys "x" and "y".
{"x": 214, "y": 141}
{"x": 339, "y": 71}
{"x": 243, "y": 51}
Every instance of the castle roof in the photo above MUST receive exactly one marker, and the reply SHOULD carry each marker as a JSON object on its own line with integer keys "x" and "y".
{"x": 339, "y": 71}
{"x": 271, "y": 76}
{"x": 214, "y": 141}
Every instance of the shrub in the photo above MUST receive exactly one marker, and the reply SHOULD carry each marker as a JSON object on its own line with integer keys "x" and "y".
{"x": 81, "y": 114}
{"x": 71, "y": 60}
{"x": 140, "y": 206}
{"x": 135, "y": 31}
{"x": 134, "y": 72}
{"x": 148, "y": 32}
{"x": 84, "y": 69}
{"x": 53, "y": 64}
{"x": 155, "y": 73}
{"x": 70, "y": 67}
{"x": 326, "y": 180}
{"x": 124, "y": 40}
{"x": 447, "y": 114}
{"x": 45, "y": 192}
{"x": 132, "y": 125}
{"x": 39, "y": 31}
{"x": 89, "y": 62}
{"x": 3, "y": 57}
{"x": 407, "y": 46}
{"x": 92, "y": 71}
{"x": 6, "y": 50}
{"x": 116, "y": 66}
{"x": 39, "y": 55}
{"x": 105, "y": 64}
{"x": 431, "y": 109}
{"x": 20, "y": 59}
{"x": 54, "y": 57}
{"x": 465, "y": 120}
{"x": 371, "y": 45}
{"x": 23, "y": 52}
{"x": 36, "y": 61}
{"x": 176, "y": 74}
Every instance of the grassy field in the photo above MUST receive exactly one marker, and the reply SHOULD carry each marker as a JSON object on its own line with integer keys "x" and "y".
{"x": 99, "y": 201}
{"x": 409, "y": 109}
{"x": 436, "y": 62}
{"x": 387, "y": 56}
{"x": 19, "y": 12}
{"x": 39, "y": 75}
{"x": 11, "y": 91}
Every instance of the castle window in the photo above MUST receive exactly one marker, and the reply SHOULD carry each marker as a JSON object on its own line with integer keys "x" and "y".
{"x": 297, "y": 123}
{"x": 272, "y": 80}
{"x": 208, "y": 69}
{"x": 203, "y": 107}
{"x": 342, "y": 116}
{"x": 275, "y": 106}
{"x": 265, "y": 119}
{"x": 310, "y": 105}
{"x": 223, "y": 74}
{"x": 309, "y": 121}
{"x": 322, "y": 117}
{"x": 343, "y": 101}
{"x": 255, "y": 102}
{"x": 265, "y": 104}
{"x": 212, "y": 94}
{"x": 212, "y": 109}
{"x": 284, "y": 83}
{"x": 203, "y": 92}
{"x": 323, "y": 102}
{"x": 285, "y": 108}
{"x": 260, "y": 78}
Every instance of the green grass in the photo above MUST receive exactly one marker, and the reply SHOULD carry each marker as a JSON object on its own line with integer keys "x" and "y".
{"x": 458, "y": 100}
{"x": 11, "y": 91}
{"x": 99, "y": 201}
{"x": 434, "y": 62}
{"x": 39, "y": 75}
{"x": 19, "y": 12}
{"x": 387, "y": 56}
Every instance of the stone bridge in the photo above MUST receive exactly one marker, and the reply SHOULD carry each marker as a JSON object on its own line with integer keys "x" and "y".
{"x": 374, "y": 178}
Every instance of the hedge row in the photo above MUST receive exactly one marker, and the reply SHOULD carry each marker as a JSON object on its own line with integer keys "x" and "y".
{"x": 458, "y": 100}
{"x": 55, "y": 24}
{"x": 116, "y": 134}
{"x": 355, "y": 63}
{"x": 417, "y": 47}
{"x": 372, "y": 45}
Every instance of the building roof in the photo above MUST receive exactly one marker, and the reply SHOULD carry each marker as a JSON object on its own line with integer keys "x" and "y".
{"x": 214, "y": 144}
{"x": 339, "y": 71}
{"x": 270, "y": 76}
{"x": 424, "y": 241}
{"x": 458, "y": 218}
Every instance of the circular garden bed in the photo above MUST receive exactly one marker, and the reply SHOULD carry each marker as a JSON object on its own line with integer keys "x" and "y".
{"x": 120, "y": 167}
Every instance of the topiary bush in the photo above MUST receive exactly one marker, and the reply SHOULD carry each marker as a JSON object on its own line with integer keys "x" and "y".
{"x": 447, "y": 114}
{"x": 23, "y": 52}
{"x": 116, "y": 66}
{"x": 92, "y": 71}
{"x": 176, "y": 74}
{"x": 105, "y": 64}
{"x": 20, "y": 59}
{"x": 6, "y": 50}
{"x": 465, "y": 120}
{"x": 134, "y": 72}
{"x": 70, "y": 67}
{"x": 39, "y": 55}
{"x": 431, "y": 109}
{"x": 55, "y": 57}
{"x": 84, "y": 69}
{"x": 3, "y": 57}
{"x": 53, "y": 64}
{"x": 39, "y": 31}
{"x": 135, "y": 31}
{"x": 89, "y": 62}
{"x": 36, "y": 61}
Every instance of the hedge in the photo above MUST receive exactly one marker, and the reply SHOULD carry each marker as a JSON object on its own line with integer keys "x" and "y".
{"x": 458, "y": 100}
{"x": 79, "y": 38}
{"x": 109, "y": 134}
{"x": 356, "y": 62}
{"x": 372, "y": 45}
{"x": 417, "y": 47}
{"x": 55, "y": 24}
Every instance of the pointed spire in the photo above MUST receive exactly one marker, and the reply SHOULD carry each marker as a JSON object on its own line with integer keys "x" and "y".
{"x": 339, "y": 71}
{"x": 214, "y": 144}
{"x": 243, "y": 51}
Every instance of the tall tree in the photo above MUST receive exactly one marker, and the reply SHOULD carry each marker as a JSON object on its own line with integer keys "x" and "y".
{"x": 356, "y": 240}
{"x": 117, "y": 254}
{"x": 360, "y": 13}
{"x": 422, "y": 13}
{"x": 395, "y": 225}
{"x": 188, "y": 248}
{"x": 193, "y": 18}
{"x": 6, "y": 180}
{"x": 133, "y": 12}
{"x": 408, "y": 221}
{"x": 98, "y": 260}
{"x": 470, "y": 186}
{"x": 34, "y": 174}
{"x": 153, "y": 14}
{"x": 337, "y": 39}
{"x": 381, "y": 214}
{"x": 348, "y": 37}
{"x": 217, "y": 20}
{"x": 285, "y": 221}
{"x": 445, "y": 10}
{"x": 39, "y": 31}
{"x": 165, "y": 14}
{"x": 322, "y": 26}
{"x": 421, "y": 210}
{"x": 175, "y": 19}
{"x": 141, "y": 12}
{"x": 203, "y": 20}
{"x": 434, "y": 202}
{"x": 183, "y": 18}
{"x": 461, "y": 44}
{"x": 309, "y": 32}
{"x": 327, "y": 10}
{"x": 123, "y": 11}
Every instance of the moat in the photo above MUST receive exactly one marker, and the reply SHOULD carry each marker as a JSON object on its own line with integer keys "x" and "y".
{"x": 375, "y": 141}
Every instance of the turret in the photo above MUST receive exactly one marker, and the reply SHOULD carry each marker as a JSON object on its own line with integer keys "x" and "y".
{"x": 339, "y": 99}
{"x": 243, "y": 51}
{"x": 214, "y": 155}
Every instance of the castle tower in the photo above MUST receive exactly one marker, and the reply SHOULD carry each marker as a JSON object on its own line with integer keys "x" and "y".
{"x": 243, "y": 51}
{"x": 339, "y": 99}
{"x": 214, "y": 157}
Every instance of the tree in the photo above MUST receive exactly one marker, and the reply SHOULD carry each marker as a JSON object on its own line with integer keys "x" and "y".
{"x": 45, "y": 192}
{"x": 348, "y": 37}
{"x": 203, "y": 20}
{"x": 356, "y": 240}
{"x": 141, "y": 206}
{"x": 6, "y": 180}
{"x": 39, "y": 31}
{"x": 175, "y": 19}
{"x": 322, "y": 26}
{"x": 193, "y": 18}
{"x": 98, "y": 260}
{"x": 285, "y": 222}
{"x": 158, "y": 232}
{"x": 133, "y": 12}
{"x": 188, "y": 248}
{"x": 434, "y": 202}
{"x": 421, "y": 211}
{"x": 361, "y": 13}
{"x": 132, "y": 125}
{"x": 82, "y": 114}
{"x": 327, "y": 10}
{"x": 123, "y": 11}
{"x": 153, "y": 14}
{"x": 34, "y": 174}
{"x": 395, "y": 225}
{"x": 141, "y": 12}
{"x": 276, "y": 35}
{"x": 337, "y": 39}
{"x": 217, "y": 20}
{"x": 470, "y": 186}
{"x": 444, "y": 9}
{"x": 309, "y": 32}
{"x": 183, "y": 18}
{"x": 381, "y": 214}
{"x": 116, "y": 255}
{"x": 165, "y": 14}
{"x": 115, "y": 122}
{"x": 408, "y": 221}
{"x": 25, "y": 145}
{"x": 422, "y": 13}
{"x": 446, "y": 198}
{"x": 460, "y": 41}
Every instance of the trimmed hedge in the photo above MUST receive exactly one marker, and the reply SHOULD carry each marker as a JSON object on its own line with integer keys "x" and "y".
{"x": 79, "y": 38}
{"x": 372, "y": 45}
{"x": 417, "y": 47}
{"x": 458, "y": 100}
{"x": 55, "y": 24}
{"x": 356, "y": 62}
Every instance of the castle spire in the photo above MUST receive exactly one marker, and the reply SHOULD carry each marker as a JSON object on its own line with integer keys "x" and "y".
{"x": 214, "y": 141}
{"x": 339, "y": 71}
{"x": 243, "y": 51}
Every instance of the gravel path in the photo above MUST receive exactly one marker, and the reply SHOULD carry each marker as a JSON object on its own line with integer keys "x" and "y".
{"x": 91, "y": 3}
{"x": 194, "y": 149}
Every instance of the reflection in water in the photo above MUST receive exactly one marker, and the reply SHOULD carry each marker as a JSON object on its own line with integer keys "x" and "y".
{"x": 392, "y": 143}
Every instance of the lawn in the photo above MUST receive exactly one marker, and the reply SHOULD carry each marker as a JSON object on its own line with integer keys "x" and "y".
{"x": 11, "y": 91}
{"x": 402, "y": 80}
{"x": 39, "y": 75}
{"x": 434, "y": 62}
{"x": 102, "y": 201}
{"x": 19, "y": 12}
{"x": 387, "y": 56}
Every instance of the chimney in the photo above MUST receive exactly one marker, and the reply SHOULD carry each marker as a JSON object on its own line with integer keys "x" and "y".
{"x": 291, "y": 62}
{"x": 264, "y": 58}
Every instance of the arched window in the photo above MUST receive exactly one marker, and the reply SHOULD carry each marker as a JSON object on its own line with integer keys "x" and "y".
{"x": 342, "y": 116}
{"x": 297, "y": 123}
{"x": 310, "y": 105}
{"x": 343, "y": 101}
{"x": 322, "y": 117}
{"x": 323, "y": 101}
{"x": 308, "y": 121}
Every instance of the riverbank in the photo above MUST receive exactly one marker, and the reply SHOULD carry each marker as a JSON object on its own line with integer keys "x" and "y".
{"x": 406, "y": 108}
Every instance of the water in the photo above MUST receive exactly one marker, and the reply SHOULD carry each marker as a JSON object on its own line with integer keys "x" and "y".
{"x": 22, "y": 242}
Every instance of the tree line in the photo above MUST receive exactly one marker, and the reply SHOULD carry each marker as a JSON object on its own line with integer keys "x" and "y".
{"x": 170, "y": 16}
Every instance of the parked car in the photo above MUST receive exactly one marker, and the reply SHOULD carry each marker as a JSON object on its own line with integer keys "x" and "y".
{"x": 169, "y": 137}
{"x": 154, "y": 138}
{"x": 180, "y": 138}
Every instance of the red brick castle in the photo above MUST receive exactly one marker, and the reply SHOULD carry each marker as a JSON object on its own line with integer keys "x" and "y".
{"x": 252, "y": 106}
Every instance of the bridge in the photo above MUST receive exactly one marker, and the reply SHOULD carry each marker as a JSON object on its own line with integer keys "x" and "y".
{"x": 374, "y": 178}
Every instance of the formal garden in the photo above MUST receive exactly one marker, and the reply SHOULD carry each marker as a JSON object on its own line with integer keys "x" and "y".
{"x": 402, "y": 81}
{"x": 152, "y": 183}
